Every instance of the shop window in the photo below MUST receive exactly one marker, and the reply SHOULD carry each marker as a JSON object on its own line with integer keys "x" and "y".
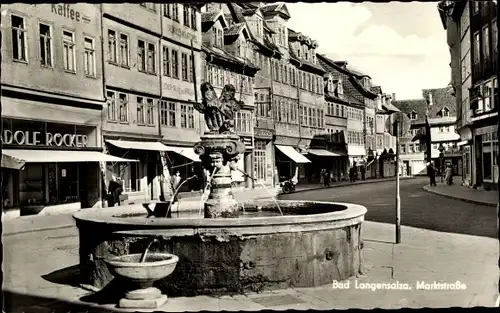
{"x": 31, "y": 185}
{"x": 130, "y": 175}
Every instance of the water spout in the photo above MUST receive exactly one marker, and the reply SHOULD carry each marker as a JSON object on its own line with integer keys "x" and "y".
{"x": 174, "y": 195}
{"x": 202, "y": 201}
{"x": 144, "y": 254}
{"x": 267, "y": 189}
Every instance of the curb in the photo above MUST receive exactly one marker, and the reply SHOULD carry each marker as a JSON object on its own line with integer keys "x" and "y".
{"x": 354, "y": 184}
{"x": 429, "y": 190}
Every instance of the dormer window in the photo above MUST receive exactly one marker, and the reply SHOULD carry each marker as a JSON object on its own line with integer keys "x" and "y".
{"x": 412, "y": 116}
{"x": 219, "y": 37}
{"x": 330, "y": 86}
{"x": 445, "y": 112}
{"x": 340, "y": 89}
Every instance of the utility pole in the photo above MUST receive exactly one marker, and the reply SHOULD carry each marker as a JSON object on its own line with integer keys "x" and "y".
{"x": 398, "y": 198}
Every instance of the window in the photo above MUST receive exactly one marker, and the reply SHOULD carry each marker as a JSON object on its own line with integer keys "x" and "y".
{"x": 411, "y": 148}
{"x": 187, "y": 116}
{"x": 186, "y": 16}
{"x": 175, "y": 12}
{"x": 123, "y": 109}
{"x": 191, "y": 68}
{"x": 45, "y": 45}
{"x": 486, "y": 42}
{"x": 89, "y": 60}
{"x": 141, "y": 55}
{"x": 140, "y": 111}
{"x": 194, "y": 20}
{"x": 111, "y": 103}
{"x": 150, "y": 111}
{"x": 166, "y": 10}
{"x": 184, "y": 66}
{"x": 124, "y": 50}
{"x": 69, "y": 51}
{"x": 112, "y": 46}
{"x": 175, "y": 64}
{"x": 19, "y": 48}
{"x": 167, "y": 113}
{"x": 477, "y": 49}
{"x": 402, "y": 148}
{"x": 151, "y": 58}
{"x": 494, "y": 36}
{"x": 166, "y": 61}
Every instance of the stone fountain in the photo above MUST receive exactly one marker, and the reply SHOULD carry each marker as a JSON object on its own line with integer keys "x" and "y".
{"x": 272, "y": 245}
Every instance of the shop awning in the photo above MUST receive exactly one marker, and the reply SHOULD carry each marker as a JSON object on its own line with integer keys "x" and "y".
{"x": 138, "y": 145}
{"x": 62, "y": 156}
{"x": 322, "y": 152}
{"x": 293, "y": 154}
{"x": 464, "y": 143}
{"x": 11, "y": 162}
{"x": 187, "y": 152}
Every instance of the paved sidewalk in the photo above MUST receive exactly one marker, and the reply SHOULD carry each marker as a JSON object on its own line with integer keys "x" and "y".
{"x": 423, "y": 256}
{"x": 481, "y": 197}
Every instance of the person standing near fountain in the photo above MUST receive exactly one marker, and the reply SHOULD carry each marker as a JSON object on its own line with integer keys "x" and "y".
{"x": 176, "y": 180}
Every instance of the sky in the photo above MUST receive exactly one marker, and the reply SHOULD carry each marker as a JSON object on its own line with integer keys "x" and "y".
{"x": 401, "y": 46}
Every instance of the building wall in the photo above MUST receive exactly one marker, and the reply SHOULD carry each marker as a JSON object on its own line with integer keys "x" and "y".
{"x": 82, "y": 19}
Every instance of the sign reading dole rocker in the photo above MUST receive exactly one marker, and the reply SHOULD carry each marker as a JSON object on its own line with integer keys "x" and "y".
{"x": 36, "y": 138}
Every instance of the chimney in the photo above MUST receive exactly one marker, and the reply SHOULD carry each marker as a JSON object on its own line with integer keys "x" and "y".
{"x": 393, "y": 97}
{"x": 430, "y": 99}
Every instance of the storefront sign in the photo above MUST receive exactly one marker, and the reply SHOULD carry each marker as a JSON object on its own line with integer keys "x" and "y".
{"x": 486, "y": 130}
{"x": 179, "y": 90}
{"x": 247, "y": 141}
{"x": 65, "y": 10}
{"x": 263, "y": 133}
{"x": 35, "y": 138}
{"x": 182, "y": 33}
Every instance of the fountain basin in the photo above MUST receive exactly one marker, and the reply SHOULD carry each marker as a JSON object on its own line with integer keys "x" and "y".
{"x": 313, "y": 244}
{"x": 156, "y": 266}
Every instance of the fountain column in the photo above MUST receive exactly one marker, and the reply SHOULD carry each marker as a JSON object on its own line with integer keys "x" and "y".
{"x": 219, "y": 154}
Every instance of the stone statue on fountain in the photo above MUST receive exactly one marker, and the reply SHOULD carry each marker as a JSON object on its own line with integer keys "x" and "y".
{"x": 220, "y": 148}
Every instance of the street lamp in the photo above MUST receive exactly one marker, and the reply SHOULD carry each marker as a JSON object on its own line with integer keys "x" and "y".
{"x": 441, "y": 159}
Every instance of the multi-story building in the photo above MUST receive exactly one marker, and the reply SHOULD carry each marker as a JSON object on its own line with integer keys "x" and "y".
{"x": 225, "y": 54}
{"x": 358, "y": 97}
{"x": 472, "y": 34}
{"x": 52, "y": 101}
{"x": 437, "y": 107}
{"x": 382, "y": 157}
{"x": 151, "y": 57}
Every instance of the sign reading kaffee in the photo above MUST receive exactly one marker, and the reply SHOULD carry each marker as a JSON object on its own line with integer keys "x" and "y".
{"x": 36, "y": 138}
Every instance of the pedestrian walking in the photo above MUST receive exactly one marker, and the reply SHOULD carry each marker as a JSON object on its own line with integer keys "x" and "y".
{"x": 449, "y": 174}
{"x": 431, "y": 172}
{"x": 363, "y": 172}
{"x": 114, "y": 191}
{"x": 326, "y": 178}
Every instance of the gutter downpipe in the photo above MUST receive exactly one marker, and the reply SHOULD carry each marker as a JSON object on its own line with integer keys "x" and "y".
{"x": 102, "y": 175}
{"x": 271, "y": 98}
{"x": 160, "y": 81}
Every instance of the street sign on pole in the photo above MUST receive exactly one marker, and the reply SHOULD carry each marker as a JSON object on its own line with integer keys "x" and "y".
{"x": 398, "y": 124}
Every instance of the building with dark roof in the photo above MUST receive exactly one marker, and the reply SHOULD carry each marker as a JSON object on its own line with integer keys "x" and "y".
{"x": 437, "y": 109}
{"x": 472, "y": 35}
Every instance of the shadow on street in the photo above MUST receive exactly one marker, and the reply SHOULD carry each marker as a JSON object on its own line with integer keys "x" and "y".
{"x": 419, "y": 209}
{"x": 14, "y": 302}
